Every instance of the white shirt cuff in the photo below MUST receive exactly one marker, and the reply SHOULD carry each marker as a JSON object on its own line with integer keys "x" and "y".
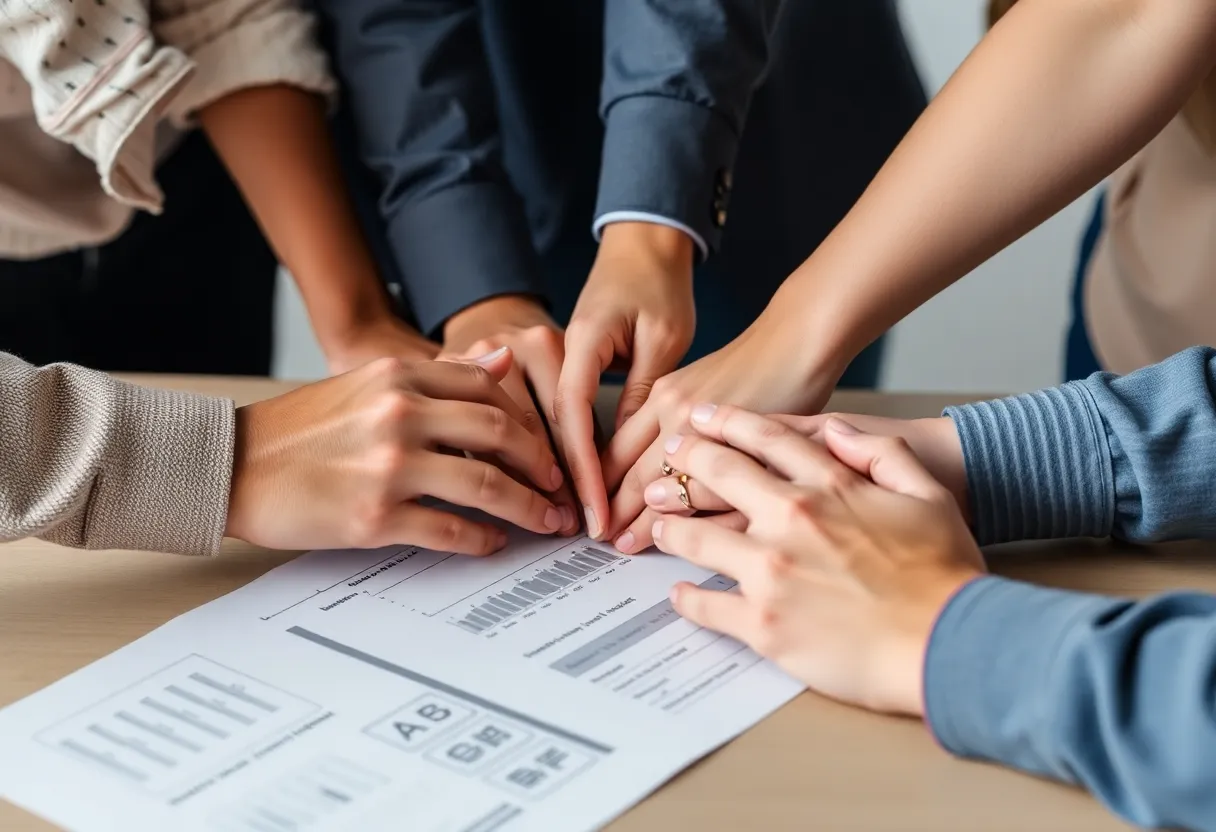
{"x": 641, "y": 216}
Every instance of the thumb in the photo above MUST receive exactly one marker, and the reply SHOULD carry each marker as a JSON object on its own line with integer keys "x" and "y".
{"x": 886, "y": 460}
{"x": 498, "y": 363}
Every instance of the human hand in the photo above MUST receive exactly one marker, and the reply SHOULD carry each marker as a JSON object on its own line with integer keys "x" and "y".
{"x": 384, "y": 336}
{"x": 935, "y": 442}
{"x": 636, "y": 310}
{"x": 536, "y": 343}
{"x": 758, "y": 370}
{"x": 343, "y": 462}
{"x": 851, "y": 551}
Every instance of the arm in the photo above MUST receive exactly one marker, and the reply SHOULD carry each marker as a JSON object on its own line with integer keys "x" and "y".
{"x": 95, "y": 463}
{"x": 1007, "y": 143}
{"x": 259, "y": 91}
{"x": 678, "y": 81}
{"x": 1132, "y": 457}
{"x": 1112, "y": 695}
{"x": 275, "y": 142}
{"x": 423, "y": 103}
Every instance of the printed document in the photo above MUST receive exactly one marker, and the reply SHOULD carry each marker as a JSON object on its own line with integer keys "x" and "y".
{"x": 547, "y": 687}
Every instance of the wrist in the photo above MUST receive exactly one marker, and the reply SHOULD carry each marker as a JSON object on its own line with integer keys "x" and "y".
{"x": 664, "y": 244}
{"x": 488, "y": 316}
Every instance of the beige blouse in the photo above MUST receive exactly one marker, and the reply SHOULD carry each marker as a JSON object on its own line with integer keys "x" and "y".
{"x": 94, "y": 92}
{"x": 1151, "y": 287}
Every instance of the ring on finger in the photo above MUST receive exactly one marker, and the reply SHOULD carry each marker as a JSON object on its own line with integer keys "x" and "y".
{"x": 682, "y": 486}
{"x": 666, "y": 470}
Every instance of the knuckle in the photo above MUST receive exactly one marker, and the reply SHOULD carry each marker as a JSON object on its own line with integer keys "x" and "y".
{"x": 450, "y": 533}
{"x": 387, "y": 368}
{"x": 475, "y": 373}
{"x": 368, "y": 524}
{"x": 482, "y": 346}
{"x": 488, "y": 483}
{"x": 497, "y": 425}
{"x": 777, "y": 567}
{"x": 562, "y": 406}
{"x": 394, "y": 406}
{"x": 771, "y": 431}
{"x": 795, "y": 511}
{"x": 543, "y": 336}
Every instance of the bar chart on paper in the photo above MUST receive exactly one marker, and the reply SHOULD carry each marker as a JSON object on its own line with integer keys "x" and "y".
{"x": 521, "y": 592}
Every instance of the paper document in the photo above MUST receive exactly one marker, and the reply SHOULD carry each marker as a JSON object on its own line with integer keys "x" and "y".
{"x": 547, "y": 687}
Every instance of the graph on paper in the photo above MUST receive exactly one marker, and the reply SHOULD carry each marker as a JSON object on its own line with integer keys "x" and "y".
{"x": 520, "y": 594}
{"x": 176, "y": 724}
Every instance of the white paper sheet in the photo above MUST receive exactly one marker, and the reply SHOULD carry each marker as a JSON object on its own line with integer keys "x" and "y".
{"x": 549, "y": 687}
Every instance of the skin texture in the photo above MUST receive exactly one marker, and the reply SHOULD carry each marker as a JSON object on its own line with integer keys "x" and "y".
{"x": 1007, "y": 143}
{"x": 845, "y": 552}
{"x": 343, "y": 463}
{"x": 276, "y": 145}
{"x": 636, "y": 311}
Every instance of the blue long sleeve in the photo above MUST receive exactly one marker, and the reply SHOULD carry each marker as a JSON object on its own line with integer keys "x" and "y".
{"x": 1130, "y": 457}
{"x": 1118, "y": 696}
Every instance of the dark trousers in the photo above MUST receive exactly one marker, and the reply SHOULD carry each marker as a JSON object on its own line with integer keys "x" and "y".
{"x": 189, "y": 291}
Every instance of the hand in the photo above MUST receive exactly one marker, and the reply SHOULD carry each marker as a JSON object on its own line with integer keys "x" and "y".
{"x": 636, "y": 309}
{"x": 757, "y": 370}
{"x": 385, "y": 336}
{"x": 342, "y": 463}
{"x": 850, "y": 553}
{"x": 536, "y": 342}
{"x": 935, "y": 442}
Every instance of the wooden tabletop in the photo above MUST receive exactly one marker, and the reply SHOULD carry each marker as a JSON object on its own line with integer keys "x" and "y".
{"x": 812, "y": 765}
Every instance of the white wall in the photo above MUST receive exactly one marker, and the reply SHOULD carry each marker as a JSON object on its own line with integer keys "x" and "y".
{"x": 999, "y": 330}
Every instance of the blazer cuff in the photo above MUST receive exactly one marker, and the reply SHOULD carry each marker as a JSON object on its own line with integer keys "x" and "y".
{"x": 443, "y": 272}
{"x": 670, "y": 158}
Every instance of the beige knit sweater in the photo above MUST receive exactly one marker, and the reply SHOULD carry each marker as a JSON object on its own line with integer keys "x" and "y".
{"x": 92, "y": 462}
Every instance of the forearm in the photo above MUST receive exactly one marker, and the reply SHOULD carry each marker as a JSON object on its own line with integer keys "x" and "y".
{"x": 1057, "y": 96}
{"x": 276, "y": 144}
{"x": 1132, "y": 457}
{"x": 1110, "y": 694}
{"x": 92, "y": 462}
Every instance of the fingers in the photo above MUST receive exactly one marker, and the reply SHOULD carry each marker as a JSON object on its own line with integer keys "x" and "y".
{"x": 462, "y": 381}
{"x": 629, "y": 444}
{"x": 496, "y": 362}
{"x": 629, "y": 501}
{"x": 887, "y": 460}
{"x": 653, "y": 356}
{"x": 479, "y": 485}
{"x": 664, "y": 495}
{"x": 484, "y": 429}
{"x": 543, "y": 369}
{"x": 734, "y": 476}
{"x": 587, "y": 356}
{"x": 711, "y": 546}
{"x": 723, "y": 612}
{"x": 415, "y": 525}
{"x": 775, "y": 444}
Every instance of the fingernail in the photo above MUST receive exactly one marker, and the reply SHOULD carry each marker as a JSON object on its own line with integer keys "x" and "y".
{"x": 656, "y": 531}
{"x": 702, "y": 413}
{"x": 553, "y": 519}
{"x": 489, "y": 357}
{"x": 843, "y": 428}
{"x": 625, "y": 542}
{"x": 673, "y": 444}
{"x": 556, "y": 477}
{"x": 593, "y": 525}
{"x": 567, "y": 517}
{"x": 655, "y": 494}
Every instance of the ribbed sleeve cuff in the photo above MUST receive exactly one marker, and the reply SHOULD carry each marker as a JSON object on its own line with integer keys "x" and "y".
{"x": 668, "y": 157}
{"x": 166, "y": 474}
{"x": 1038, "y": 466}
{"x": 443, "y": 272}
{"x": 990, "y": 659}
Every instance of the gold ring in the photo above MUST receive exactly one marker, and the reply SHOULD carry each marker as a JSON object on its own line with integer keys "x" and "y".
{"x": 682, "y": 484}
{"x": 666, "y": 469}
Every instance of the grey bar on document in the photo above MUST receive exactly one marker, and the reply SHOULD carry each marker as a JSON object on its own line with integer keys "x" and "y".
{"x": 628, "y": 633}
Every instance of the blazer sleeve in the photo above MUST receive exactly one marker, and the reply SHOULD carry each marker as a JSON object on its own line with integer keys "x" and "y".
{"x": 91, "y": 462}
{"x": 417, "y": 84}
{"x": 679, "y": 76}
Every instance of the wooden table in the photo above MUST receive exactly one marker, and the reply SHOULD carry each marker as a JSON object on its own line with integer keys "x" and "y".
{"x": 813, "y": 765}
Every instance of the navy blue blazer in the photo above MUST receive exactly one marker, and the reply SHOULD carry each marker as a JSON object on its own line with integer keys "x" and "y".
{"x": 492, "y": 138}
